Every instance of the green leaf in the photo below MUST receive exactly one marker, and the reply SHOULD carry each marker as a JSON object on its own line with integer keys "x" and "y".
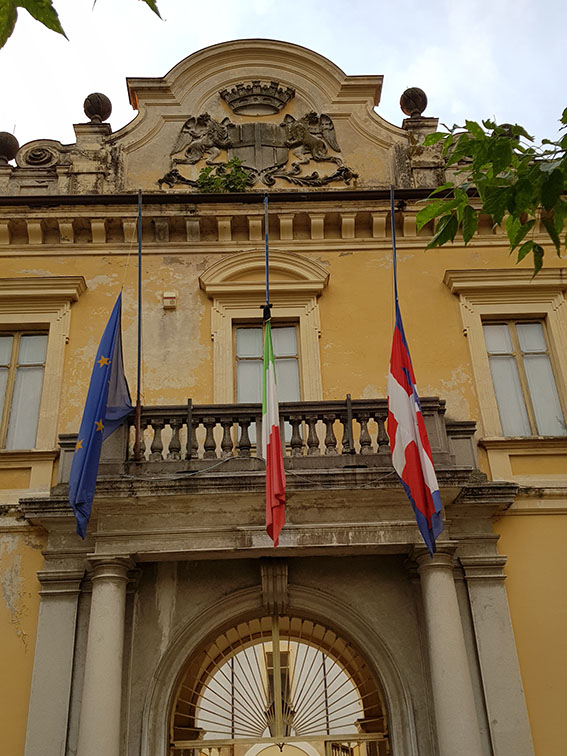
{"x": 552, "y": 188}
{"x": 516, "y": 230}
{"x": 553, "y": 235}
{"x": 538, "y": 259}
{"x": 496, "y": 202}
{"x": 439, "y": 207}
{"x": 43, "y": 11}
{"x": 525, "y": 249}
{"x": 559, "y": 215}
{"x": 475, "y": 129}
{"x": 429, "y": 212}
{"x": 500, "y": 155}
{"x": 563, "y": 118}
{"x": 153, "y": 6}
{"x": 470, "y": 223}
{"x": 431, "y": 139}
{"x": 442, "y": 188}
{"x": 445, "y": 231}
{"x": 8, "y": 16}
{"x": 523, "y": 195}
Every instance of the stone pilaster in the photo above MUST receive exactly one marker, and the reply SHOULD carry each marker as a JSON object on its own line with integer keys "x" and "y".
{"x": 46, "y": 733}
{"x": 502, "y": 683}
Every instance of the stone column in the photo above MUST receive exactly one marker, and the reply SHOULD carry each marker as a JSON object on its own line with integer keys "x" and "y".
{"x": 46, "y": 733}
{"x": 453, "y": 697}
{"x": 501, "y": 679}
{"x": 99, "y": 725}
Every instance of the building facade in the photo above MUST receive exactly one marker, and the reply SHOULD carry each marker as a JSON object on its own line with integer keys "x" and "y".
{"x": 175, "y": 628}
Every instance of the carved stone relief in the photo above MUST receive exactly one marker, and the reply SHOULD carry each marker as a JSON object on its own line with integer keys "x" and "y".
{"x": 262, "y": 148}
{"x": 256, "y": 98}
{"x": 40, "y": 154}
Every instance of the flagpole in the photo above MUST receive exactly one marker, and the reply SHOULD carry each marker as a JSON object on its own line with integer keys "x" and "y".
{"x": 267, "y": 306}
{"x": 394, "y": 254}
{"x": 138, "y": 424}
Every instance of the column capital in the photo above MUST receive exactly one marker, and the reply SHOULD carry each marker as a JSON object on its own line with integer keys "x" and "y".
{"x": 109, "y": 567}
{"x": 443, "y": 557}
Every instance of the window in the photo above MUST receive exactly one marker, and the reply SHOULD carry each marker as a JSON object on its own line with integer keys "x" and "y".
{"x": 235, "y": 284}
{"x": 516, "y": 329}
{"x": 249, "y": 363}
{"x": 524, "y": 384}
{"x": 35, "y": 314}
{"x": 22, "y": 363}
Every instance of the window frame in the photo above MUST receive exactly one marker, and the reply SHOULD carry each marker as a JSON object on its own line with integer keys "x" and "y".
{"x": 500, "y": 295}
{"x": 42, "y": 305}
{"x": 518, "y": 355}
{"x": 13, "y": 366}
{"x": 235, "y": 284}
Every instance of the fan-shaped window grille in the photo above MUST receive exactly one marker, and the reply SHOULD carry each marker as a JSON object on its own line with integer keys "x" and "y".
{"x": 277, "y": 679}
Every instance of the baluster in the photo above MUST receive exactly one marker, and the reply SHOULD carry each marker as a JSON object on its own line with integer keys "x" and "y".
{"x": 330, "y": 439}
{"x": 296, "y": 440}
{"x": 143, "y": 426}
{"x": 345, "y": 444}
{"x": 244, "y": 442}
{"x": 226, "y": 443}
{"x": 312, "y": 438}
{"x": 210, "y": 444}
{"x": 365, "y": 440}
{"x": 156, "y": 448}
{"x": 194, "y": 440}
{"x": 383, "y": 439}
{"x": 175, "y": 443}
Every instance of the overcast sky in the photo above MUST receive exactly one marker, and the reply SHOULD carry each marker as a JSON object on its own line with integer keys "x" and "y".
{"x": 474, "y": 58}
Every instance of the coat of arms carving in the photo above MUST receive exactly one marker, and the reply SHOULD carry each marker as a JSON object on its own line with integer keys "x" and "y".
{"x": 266, "y": 151}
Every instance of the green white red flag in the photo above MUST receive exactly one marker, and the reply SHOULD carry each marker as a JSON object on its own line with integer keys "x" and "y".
{"x": 272, "y": 443}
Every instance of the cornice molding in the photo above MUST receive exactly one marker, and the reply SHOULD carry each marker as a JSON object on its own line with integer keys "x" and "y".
{"x": 496, "y": 280}
{"x": 67, "y": 288}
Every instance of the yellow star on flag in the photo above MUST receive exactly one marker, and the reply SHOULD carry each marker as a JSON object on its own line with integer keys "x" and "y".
{"x": 79, "y": 444}
{"x": 99, "y": 425}
{"x": 103, "y": 361}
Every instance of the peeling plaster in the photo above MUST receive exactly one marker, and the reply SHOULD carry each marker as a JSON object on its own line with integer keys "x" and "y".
{"x": 166, "y": 592}
{"x": 370, "y": 392}
{"x": 12, "y": 582}
{"x": 454, "y": 390}
{"x": 96, "y": 281}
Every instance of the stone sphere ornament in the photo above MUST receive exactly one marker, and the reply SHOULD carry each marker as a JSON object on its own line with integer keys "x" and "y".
{"x": 97, "y": 107}
{"x": 413, "y": 102}
{"x": 9, "y": 147}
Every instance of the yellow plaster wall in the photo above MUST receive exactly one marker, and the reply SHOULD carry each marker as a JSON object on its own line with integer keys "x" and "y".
{"x": 355, "y": 308}
{"x": 20, "y": 559}
{"x": 536, "y": 570}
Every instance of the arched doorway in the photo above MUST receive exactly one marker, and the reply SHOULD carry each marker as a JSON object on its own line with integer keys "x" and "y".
{"x": 286, "y": 683}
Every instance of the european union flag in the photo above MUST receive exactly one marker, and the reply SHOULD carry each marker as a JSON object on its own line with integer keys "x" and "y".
{"x": 108, "y": 403}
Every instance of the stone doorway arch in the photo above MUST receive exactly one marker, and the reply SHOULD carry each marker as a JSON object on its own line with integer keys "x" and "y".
{"x": 316, "y": 606}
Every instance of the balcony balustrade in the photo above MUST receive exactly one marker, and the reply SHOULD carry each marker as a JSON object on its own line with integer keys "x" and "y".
{"x": 333, "y": 434}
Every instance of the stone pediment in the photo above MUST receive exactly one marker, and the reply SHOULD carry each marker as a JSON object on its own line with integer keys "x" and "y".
{"x": 288, "y": 115}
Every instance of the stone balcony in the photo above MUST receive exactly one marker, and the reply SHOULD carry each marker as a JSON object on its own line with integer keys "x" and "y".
{"x": 197, "y": 489}
{"x": 332, "y": 436}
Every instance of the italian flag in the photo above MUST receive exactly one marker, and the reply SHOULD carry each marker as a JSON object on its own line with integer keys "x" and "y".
{"x": 272, "y": 443}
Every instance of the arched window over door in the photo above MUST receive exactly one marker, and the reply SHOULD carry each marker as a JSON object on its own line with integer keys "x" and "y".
{"x": 278, "y": 680}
